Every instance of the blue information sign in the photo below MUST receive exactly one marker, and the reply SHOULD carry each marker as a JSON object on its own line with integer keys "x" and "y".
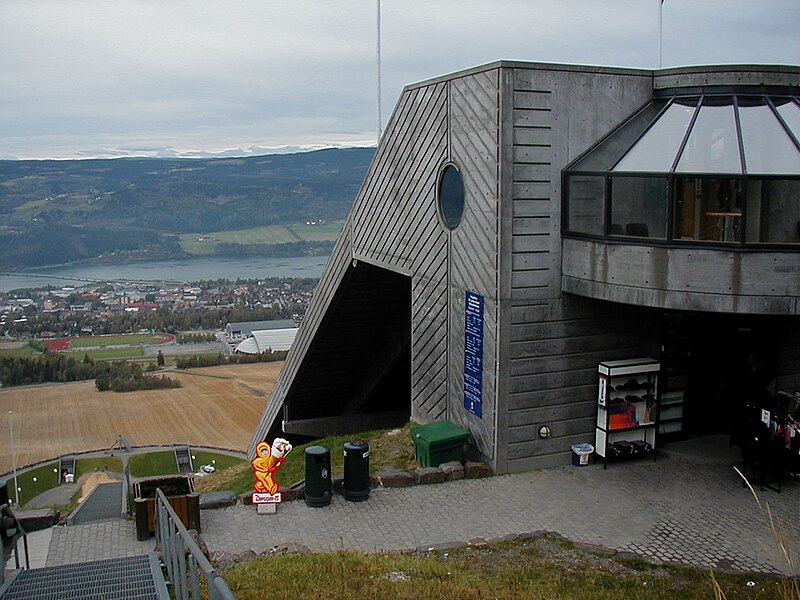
{"x": 473, "y": 352}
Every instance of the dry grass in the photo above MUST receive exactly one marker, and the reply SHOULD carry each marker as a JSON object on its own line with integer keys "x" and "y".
{"x": 524, "y": 569}
{"x": 217, "y": 406}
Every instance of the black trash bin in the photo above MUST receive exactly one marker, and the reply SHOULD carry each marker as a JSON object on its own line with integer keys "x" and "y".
{"x": 356, "y": 471}
{"x": 319, "y": 488}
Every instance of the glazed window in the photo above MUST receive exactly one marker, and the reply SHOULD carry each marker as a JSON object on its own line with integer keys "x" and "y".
{"x": 708, "y": 209}
{"x": 586, "y": 200}
{"x": 639, "y": 207}
{"x": 773, "y": 211}
{"x": 711, "y": 169}
{"x": 451, "y": 196}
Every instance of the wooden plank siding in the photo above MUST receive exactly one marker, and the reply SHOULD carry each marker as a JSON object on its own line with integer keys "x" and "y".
{"x": 398, "y": 229}
{"x": 475, "y": 149}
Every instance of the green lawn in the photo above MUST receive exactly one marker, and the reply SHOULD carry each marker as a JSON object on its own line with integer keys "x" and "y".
{"x": 114, "y": 340}
{"x": 22, "y": 351}
{"x": 153, "y": 464}
{"x": 219, "y": 461}
{"x": 104, "y": 463}
{"x": 113, "y": 354}
{"x": 34, "y": 482}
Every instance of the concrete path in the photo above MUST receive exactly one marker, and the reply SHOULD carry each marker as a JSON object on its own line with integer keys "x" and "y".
{"x": 687, "y": 511}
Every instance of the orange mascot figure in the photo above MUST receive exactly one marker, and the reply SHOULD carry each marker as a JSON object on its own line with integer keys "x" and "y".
{"x": 267, "y": 461}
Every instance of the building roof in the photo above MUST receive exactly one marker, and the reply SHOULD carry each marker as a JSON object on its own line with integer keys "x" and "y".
{"x": 249, "y": 326}
{"x": 729, "y": 134}
{"x": 261, "y": 341}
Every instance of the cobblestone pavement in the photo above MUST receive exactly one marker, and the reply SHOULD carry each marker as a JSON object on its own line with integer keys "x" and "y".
{"x": 676, "y": 510}
{"x": 95, "y": 541}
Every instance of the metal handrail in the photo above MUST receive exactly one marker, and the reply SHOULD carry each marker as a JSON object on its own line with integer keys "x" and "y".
{"x": 182, "y": 557}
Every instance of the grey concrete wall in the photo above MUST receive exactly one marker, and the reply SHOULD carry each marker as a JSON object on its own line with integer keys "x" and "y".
{"x": 550, "y": 342}
{"x": 684, "y": 278}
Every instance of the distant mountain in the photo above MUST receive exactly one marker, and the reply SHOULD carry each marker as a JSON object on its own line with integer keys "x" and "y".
{"x": 53, "y": 212}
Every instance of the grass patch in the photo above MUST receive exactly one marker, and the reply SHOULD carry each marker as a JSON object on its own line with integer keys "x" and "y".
{"x": 220, "y": 461}
{"x": 21, "y": 352}
{"x": 525, "y": 569}
{"x": 153, "y": 464}
{"x": 104, "y": 463}
{"x": 34, "y": 482}
{"x": 205, "y": 244}
{"x": 387, "y": 450}
{"x": 114, "y": 340}
{"x": 113, "y": 353}
{"x": 327, "y": 232}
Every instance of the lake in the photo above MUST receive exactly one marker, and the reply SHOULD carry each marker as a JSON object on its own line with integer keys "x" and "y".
{"x": 173, "y": 270}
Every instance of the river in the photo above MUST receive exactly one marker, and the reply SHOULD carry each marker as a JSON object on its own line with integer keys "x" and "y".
{"x": 173, "y": 270}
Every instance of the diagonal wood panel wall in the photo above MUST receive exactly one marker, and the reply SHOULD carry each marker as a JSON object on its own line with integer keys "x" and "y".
{"x": 397, "y": 227}
{"x": 475, "y": 149}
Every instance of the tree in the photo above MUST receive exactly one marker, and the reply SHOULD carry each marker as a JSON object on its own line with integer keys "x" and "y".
{"x": 160, "y": 359}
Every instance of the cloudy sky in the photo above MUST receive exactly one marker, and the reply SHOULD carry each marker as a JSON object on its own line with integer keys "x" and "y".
{"x": 87, "y": 78}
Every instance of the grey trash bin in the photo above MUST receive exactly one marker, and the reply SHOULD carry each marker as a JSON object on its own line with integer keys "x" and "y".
{"x": 319, "y": 488}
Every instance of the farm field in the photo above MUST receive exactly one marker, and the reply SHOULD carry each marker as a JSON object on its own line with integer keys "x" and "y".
{"x": 203, "y": 244}
{"x": 217, "y": 406}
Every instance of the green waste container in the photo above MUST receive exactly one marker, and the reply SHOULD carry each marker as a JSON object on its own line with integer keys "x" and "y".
{"x": 319, "y": 488}
{"x": 438, "y": 443}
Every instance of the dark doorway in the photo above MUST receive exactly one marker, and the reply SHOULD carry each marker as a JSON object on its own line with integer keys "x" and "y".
{"x": 356, "y": 373}
{"x": 733, "y": 361}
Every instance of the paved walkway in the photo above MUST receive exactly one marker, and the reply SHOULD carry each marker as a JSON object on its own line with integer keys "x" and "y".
{"x": 686, "y": 508}
{"x": 675, "y": 510}
{"x": 96, "y": 541}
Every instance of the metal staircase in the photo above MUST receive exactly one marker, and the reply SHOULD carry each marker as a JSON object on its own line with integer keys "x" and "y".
{"x": 184, "y": 459}
{"x": 130, "y": 578}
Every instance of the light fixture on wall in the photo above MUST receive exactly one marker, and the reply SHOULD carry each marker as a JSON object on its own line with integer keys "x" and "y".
{"x": 544, "y": 432}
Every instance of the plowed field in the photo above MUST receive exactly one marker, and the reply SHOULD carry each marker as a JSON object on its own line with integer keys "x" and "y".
{"x": 217, "y": 406}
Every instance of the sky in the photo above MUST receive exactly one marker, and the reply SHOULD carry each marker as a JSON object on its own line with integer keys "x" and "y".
{"x": 107, "y": 78}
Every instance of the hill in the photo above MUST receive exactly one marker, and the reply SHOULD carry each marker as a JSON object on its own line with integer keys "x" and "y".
{"x": 54, "y": 212}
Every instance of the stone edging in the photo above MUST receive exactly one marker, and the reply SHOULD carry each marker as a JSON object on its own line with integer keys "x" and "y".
{"x": 391, "y": 478}
{"x": 223, "y": 560}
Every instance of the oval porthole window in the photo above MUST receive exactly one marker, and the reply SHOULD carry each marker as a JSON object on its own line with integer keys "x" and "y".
{"x": 451, "y": 196}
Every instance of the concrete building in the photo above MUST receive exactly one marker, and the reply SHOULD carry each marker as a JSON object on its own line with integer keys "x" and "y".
{"x": 239, "y": 331}
{"x": 521, "y": 223}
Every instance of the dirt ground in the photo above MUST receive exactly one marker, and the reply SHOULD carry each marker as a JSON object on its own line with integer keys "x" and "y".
{"x": 217, "y": 406}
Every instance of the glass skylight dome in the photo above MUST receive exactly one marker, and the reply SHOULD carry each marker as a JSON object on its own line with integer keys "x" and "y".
{"x": 710, "y": 168}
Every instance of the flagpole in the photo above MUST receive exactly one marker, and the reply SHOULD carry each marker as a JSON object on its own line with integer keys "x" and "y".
{"x": 13, "y": 457}
{"x": 379, "y": 67}
{"x": 660, "y": 20}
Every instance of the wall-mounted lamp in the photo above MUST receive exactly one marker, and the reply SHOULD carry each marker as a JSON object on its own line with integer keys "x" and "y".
{"x": 544, "y": 432}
